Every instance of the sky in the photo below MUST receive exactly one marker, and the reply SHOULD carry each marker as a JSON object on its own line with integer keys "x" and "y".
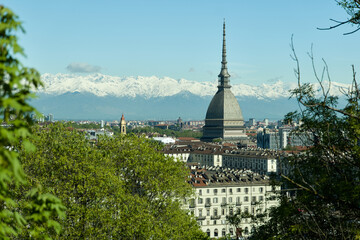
{"x": 182, "y": 39}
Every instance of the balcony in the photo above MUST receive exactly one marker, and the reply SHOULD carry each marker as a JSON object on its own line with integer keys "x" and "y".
{"x": 201, "y": 218}
{"x": 223, "y": 204}
{"x": 238, "y": 203}
{"x": 215, "y": 217}
{"x": 192, "y": 206}
{"x": 207, "y": 204}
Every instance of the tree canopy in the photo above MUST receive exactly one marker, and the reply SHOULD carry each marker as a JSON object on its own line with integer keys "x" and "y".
{"x": 33, "y": 212}
{"x": 352, "y": 8}
{"x": 121, "y": 188}
{"x": 323, "y": 182}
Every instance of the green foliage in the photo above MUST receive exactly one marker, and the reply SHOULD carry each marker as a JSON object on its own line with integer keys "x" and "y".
{"x": 122, "y": 188}
{"x": 352, "y": 7}
{"x": 323, "y": 181}
{"x": 35, "y": 212}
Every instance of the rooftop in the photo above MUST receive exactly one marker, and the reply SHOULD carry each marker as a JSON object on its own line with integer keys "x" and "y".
{"x": 219, "y": 176}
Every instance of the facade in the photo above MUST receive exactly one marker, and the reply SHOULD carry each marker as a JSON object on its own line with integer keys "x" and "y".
{"x": 224, "y": 118}
{"x": 164, "y": 140}
{"x": 268, "y": 140}
{"x": 93, "y": 134}
{"x": 206, "y": 154}
{"x": 283, "y": 138}
{"x": 221, "y": 192}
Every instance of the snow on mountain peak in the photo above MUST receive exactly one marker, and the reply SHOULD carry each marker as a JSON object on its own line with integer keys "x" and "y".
{"x": 106, "y": 85}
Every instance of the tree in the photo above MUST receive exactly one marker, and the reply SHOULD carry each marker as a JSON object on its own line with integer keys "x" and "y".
{"x": 121, "y": 188}
{"x": 41, "y": 210}
{"x": 352, "y": 7}
{"x": 323, "y": 182}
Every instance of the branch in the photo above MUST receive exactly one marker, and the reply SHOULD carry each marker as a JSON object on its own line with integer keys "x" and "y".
{"x": 351, "y": 20}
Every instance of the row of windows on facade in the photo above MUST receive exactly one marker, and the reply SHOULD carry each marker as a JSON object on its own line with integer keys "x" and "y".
{"x": 231, "y": 159}
{"x": 244, "y": 165}
{"x": 223, "y": 232}
{"x": 230, "y": 200}
{"x": 231, "y": 212}
{"x": 223, "y": 190}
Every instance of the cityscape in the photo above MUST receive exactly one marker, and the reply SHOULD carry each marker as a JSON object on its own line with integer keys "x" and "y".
{"x": 88, "y": 154}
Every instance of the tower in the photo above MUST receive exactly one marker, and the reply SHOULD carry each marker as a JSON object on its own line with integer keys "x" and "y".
{"x": 122, "y": 125}
{"x": 224, "y": 117}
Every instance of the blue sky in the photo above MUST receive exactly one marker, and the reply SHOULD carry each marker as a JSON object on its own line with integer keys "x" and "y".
{"x": 182, "y": 39}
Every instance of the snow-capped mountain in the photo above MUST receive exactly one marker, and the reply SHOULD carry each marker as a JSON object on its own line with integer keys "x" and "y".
{"x": 149, "y": 87}
{"x": 99, "y": 96}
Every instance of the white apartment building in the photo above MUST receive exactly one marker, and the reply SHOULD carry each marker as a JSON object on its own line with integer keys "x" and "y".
{"x": 260, "y": 161}
{"x": 222, "y": 191}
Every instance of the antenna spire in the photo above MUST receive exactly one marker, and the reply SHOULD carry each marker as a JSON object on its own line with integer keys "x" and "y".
{"x": 224, "y": 76}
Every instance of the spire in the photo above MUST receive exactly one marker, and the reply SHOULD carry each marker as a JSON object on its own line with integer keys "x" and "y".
{"x": 224, "y": 76}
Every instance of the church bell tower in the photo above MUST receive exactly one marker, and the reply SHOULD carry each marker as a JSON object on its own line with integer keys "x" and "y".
{"x": 123, "y": 125}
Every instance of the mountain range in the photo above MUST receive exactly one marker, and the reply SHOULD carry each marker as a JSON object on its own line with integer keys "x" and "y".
{"x": 98, "y": 96}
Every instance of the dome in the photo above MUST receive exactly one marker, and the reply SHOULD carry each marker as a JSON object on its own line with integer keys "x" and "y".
{"x": 224, "y": 106}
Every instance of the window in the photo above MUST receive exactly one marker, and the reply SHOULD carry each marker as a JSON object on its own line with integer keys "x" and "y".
{"x": 261, "y": 198}
{"x": 215, "y": 232}
{"x": 223, "y": 211}
{"x": 231, "y": 211}
{"x": 230, "y": 199}
{"x": 253, "y": 199}
{"x": 207, "y": 212}
{"x": 200, "y": 201}
{"x": 246, "y": 230}
{"x": 200, "y": 212}
{"x": 238, "y": 190}
{"x": 246, "y": 210}
{"x": 223, "y": 190}
{"x": 261, "y": 189}
{"x": 200, "y": 192}
{"x": 246, "y": 199}
{"x": 224, "y": 200}
{"x": 215, "y": 191}
{"x": 215, "y": 200}
{"x": 208, "y": 232}
{"x": 238, "y": 200}
{"x": 208, "y": 200}
{"x": 231, "y": 231}
{"x": 215, "y": 212}
{"x": 223, "y": 232}
{"x": 214, "y": 222}
{"x": 246, "y": 190}
{"x": 207, "y": 190}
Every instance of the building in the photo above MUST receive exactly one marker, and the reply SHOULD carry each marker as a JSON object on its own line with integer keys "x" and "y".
{"x": 262, "y": 161}
{"x": 221, "y": 192}
{"x": 268, "y": 140}
{"x": 123, "y": 125}
{"x": 164, "y": 140}
{"x": 224, "y": 118}
{"x": 285, "y": 137}
{"x": 93, "y": 134}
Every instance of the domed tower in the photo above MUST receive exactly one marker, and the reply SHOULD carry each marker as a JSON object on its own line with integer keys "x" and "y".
{"x": 224, "y": 118}
{"x": 123, "y": 125}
